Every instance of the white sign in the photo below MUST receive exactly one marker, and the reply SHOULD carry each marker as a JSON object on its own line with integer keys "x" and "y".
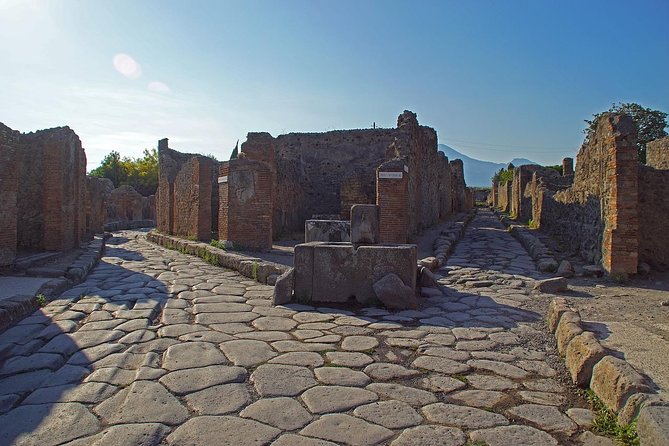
{"x": 393, "y": 175}
{"x": 223, "y": 179}
{"x": 406, "y": 168}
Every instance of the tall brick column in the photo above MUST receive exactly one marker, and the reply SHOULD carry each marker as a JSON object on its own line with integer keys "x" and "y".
{"x": 392, "y": 197}
{"x": 620, "y": 245}
{"x": 8, "y": 192}
{"x": 245, "y": 203}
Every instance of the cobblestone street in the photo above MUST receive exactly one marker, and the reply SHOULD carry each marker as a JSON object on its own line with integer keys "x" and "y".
{"x": 157, "y": 346}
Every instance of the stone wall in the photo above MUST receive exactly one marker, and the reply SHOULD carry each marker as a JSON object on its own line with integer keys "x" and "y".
{"x": 504, "y": 196}
{"x": 657, "y": 153}
{"x": 654, "y": 212}
{"x": 43, "y": 193}
{"x": 98, "y": 193}
{"x": 184, "y": 204}
{"x": 521, "y": 203}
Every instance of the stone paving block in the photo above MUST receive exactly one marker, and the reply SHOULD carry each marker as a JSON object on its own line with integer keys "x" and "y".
{"x": 191, "y": 380}
{"x": 462, "y": 416}
{"x": 345, "y": 429}
{"x": 219, "y": 400}
{"x": 283, "y": 413}
{"x": 327, "y": 399}
{"x": 391, "y": 414}
{"x": 207, "y": 430}
{"x": 431, "y": 436}
{"x": 282, "y": 380}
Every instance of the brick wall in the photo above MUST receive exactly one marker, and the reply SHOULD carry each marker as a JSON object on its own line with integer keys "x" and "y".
{"x": 521, "y": 202}
{"x": 504, "y": 196}
{"x": 98, "y": 191}
{"x": 392, "y": 197}
{"x": 458, "y": 186}
{"x": 245, "y": 213}
{"x": 654, "y": 210}
{"x": 359, "y": 187}
{"x": 184, "y": 204}
{"x": 8, "y": 194}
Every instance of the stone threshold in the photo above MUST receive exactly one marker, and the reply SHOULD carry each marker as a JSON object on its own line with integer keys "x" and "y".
{"x": 17, "y": 307}
{"x": 254, "y": 268}
{"x": 621, "y": 388}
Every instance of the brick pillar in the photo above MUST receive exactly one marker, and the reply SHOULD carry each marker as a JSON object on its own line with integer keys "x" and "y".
{"x": 245, "y": 203}
{"x": 620, "y": 246}
{"x": 392, "y": 197}
{"x": 203, "y": 179}
{"x": 567, "y": 166}
{"x": 55, "y": 225}
{"x": 495, "y": 196}
{"x": 9, "y": 181}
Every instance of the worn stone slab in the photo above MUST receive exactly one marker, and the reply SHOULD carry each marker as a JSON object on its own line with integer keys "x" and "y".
{"x": 191, "y": 380}
{"x": 208, "y": 430}
{"x": 383, "y": 371}
{"x": 359, "y": 343}
{"x": 391, "y": 414}
{"x": 500, "y": 368}
{"x": 144, "y": 434}
{"x": 282, "y": 380}
{"x": 192, "y": 354}
{"x": 327, "y": 399}
{"x": 441, "y": 365}
{"x": 283, "y": 413}
{"x": 463, "y": 416}
{"x": 143, "y": 402}
{"x": 410, "y": 395}
{"x": 439, "y": 383}
{"x": 304, "y": 359}
{"x": 547, "y": 418}
{"x": 582, "y": 353}
{"x": 510, "y": 435}
{"x": 348, "y": 359}
{"x": 341, "y": 376}
{"x": 431, "y": 436}
{"x": 345, "y": 429}
{"x": 653, "y": 425}
{"x": 219, "y": 400}
{"x": 248, "y": 353}
{"x": 479, "y": 398}
{"x": 88, "y": 393}
{"x": 47, "y": 424}
{"x": 23, "y": 382}
{"x": 299, "y": 440}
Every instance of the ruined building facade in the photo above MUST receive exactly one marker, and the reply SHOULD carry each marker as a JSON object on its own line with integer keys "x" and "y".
{"x": 279, "y": 182}
{"x": 609, "y": 208}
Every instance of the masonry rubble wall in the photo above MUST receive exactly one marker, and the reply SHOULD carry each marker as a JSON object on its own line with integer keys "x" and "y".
{"x": 520, "y": 205}
{"x": 654, "y": 205}
{"x": 44, "y": 191}
{"x": 184, "y": 204}
{"x": 97, "y": 196}
{"x": 504, "y": 196}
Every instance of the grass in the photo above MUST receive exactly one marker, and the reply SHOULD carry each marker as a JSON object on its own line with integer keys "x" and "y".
{"x": 606, "y": 422}
{"x": 217, "y": 244}
{"x": 532, "y": 224}
{"x": 461, "y": 378}
{"x": 41, "y": 300}
{"x": 254, "y": 271}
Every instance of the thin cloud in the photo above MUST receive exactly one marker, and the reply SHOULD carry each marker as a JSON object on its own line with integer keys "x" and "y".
{"x": 127, "y": 66}
{"x": 158, "y": 87}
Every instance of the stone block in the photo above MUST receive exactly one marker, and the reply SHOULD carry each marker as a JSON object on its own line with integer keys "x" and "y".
{"x": 327, "y": 231}
{"x": 583, "y": 352}
{"x": 429, "y": 262}
{"x": 614, "y": 381}
{"x": 555, "y": 310}
{"x": 553, "y": 285}
{"x": 653, "y": 425}
{"x": 338, "y": 272}
{"x": 565, "y": 269}
{"x": 426, "y": 278}
{"x": 283, "y": 289}
{"x": 365, "y": 224}
{"x": 568, "y": 327}
{"x": 394, "y": 293}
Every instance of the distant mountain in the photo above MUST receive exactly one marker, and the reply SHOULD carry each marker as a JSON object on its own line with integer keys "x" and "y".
{"x": 477, "y": 172}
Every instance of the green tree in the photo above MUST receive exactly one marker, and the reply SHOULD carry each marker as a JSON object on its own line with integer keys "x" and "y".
{"x": 650, "y": 124}
{"x": 140, "y": 173}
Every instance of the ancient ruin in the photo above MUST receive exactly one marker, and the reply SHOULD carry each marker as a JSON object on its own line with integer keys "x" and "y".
{"x": 279, "y": 183}
{"x": 596, "y": 208}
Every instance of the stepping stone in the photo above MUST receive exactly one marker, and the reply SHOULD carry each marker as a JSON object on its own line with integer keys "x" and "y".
{"x": 509, "y": 435}
{"x": 431, "y": 436}
{"x": 283, "y": 413}
{"x": 208, "y": 430}
{"x": 143, "y": 402}
{"x": 341, "y": 376}
{"x": 47, "y": 424}
{"x": 191, "y": 380}
{"x": 410, "y": 395}
{"x": 219, "y": 400}
{"x": 390, "y": 414}
{"x": 463, "y": 416}
{"x": 326, "y": 399}
{"x": 192, "y": 354}
{"x": 282, "y": 380}
{"x": 248, "y": 353}
{"x": 547, "y": 418}
{"x": 345, "y": 429}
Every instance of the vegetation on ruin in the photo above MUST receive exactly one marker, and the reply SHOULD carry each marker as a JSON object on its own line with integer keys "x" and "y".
{"x": 140, "y": 173}
{"x": 41, "y": 300}
{"x": 503, "y": 175}
{"x": 606, "y": 422}
{"x": 557, "y": 168}
{"x": 650, "y": 124}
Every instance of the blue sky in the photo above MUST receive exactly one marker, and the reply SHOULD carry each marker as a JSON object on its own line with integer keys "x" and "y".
{"x": 496, "y": 79}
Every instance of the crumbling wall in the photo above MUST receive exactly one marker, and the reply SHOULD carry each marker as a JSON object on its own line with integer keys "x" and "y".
{"x": 184, "y": 198}
{"x": 654, "y": 205}
{"x": 9, "y": 182}
{"x": 521, "y": 203}
{"x": 504, "y": 196}
{"x": 98, "y": 192}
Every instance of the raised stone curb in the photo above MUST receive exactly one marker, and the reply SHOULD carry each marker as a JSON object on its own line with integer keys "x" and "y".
{"x": 620, "y": 387}
{"x": 18, "y": 307}
{"x": 542, "y": 255}
{"x": 252, "y": 267}
{"x": 451, "y": 235}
